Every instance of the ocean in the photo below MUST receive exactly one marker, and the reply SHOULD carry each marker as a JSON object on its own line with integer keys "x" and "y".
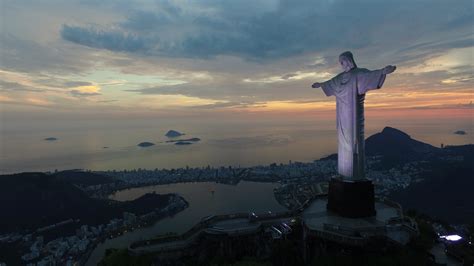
{"x": 107, "y": 145}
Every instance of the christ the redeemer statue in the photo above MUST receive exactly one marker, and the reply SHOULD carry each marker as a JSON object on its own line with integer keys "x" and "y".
{"x": 350, "y": 87}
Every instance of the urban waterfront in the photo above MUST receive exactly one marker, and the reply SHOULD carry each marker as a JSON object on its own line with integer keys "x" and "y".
{"x": 204, "y": 198}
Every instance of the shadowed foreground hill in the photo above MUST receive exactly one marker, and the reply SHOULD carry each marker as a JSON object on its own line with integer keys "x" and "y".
{"x": 446, "y": 192}
{"x": 448, "y": 174}
{"x": 32, "y": 200}
{"x": 80, "y": 178}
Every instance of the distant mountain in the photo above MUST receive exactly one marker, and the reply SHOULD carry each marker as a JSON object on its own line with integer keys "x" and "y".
{"x": 448, "y": 174}
{"x": 173, "y": 134}
{"x": 395, "y": 146}
{"x": 394, "y": 142}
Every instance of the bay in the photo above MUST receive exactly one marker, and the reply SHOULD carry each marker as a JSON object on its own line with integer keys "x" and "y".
{"x": 204, "y": 198}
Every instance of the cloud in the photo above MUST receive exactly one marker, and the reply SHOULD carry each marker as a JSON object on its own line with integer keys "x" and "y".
{"x": 38, "y": 101}
{"x": 273, "y": 29}
{"x": 110, "y": 40}
{"x": 61, "y": 83}
{"x": 309, "y": 101}
{"x": 107, "y": 101}
{"x": 446, "y": 106}
{"x": 82, "y": 94}
{"x": 14, "y": 86}
{"x": 29, "y": 101}
{"x": 72, "y": 84}
{"x": 234, "y": 90}
{"x": 220, "y": 105}
{"x": 142, "y": 20}
{"x": 291, "y": 76}
{"x": 228, "y": 54}
{"x": 83, "y": 91}
{"x": 37, "y": 87}
{"x": 5, "y": 99}
{"x": 25, "y": 55}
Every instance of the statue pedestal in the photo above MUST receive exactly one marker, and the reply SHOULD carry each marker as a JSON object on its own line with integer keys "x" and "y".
{"x": 352, "y": 199}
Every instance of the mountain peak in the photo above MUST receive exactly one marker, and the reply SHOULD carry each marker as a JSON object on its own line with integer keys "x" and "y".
{"x": 394, "y": 142}
{"x": 390, "y": 131}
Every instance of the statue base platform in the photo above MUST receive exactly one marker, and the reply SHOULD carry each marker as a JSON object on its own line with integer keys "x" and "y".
{"x": 351, "y": 199}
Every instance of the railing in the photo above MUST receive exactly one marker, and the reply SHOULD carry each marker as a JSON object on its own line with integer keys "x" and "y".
{"x": 351, "y": 236}
{"x": 393, "y": 204}
{"x": 354, "y": 232}
{"x": 340, "y": 238}
{"x": 203, "y": 225}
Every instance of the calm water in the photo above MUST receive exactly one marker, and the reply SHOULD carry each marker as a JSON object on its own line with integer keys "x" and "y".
{"x": 244, "y": 197}
{"x": 224, "y": 143}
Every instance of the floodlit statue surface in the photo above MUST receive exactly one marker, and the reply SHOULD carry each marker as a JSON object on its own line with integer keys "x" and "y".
{"x": 350, "y": 87}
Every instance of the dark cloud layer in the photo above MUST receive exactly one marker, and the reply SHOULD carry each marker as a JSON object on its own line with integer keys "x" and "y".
{"x": 79, "y": 93}
{"x": 237, "y": 53}
{"x": 26, "y": 55}
{"x": 14, "y": 86}
{"x": 290, "y": 28}
{"x": 115, "y": 41}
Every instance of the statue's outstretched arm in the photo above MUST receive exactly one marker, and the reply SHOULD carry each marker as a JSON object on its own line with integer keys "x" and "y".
{"x": 316, "y": 85}
{"x": 388, "y": 69}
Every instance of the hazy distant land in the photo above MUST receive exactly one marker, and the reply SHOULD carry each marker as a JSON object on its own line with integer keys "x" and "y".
{"x": 460, "y": 132}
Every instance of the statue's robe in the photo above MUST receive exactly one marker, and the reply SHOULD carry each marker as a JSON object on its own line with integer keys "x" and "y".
{"x": 350, "y": 88}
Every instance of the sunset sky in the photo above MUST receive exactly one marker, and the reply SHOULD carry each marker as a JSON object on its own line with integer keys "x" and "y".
{"x": 220, "y": 59}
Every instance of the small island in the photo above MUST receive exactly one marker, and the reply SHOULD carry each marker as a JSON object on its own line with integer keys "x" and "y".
{"x": 145, "y": 144}
{"x": 460, "y": 132}
{"x": 173, "y": 134}
{"x": 187, "y": 140}
{"x": 51, "y": 139}
{"x": 183, "y": 143}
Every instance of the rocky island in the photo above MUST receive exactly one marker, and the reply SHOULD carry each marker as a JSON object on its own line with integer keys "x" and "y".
{"x": 183, "y": 143}
{"x": 173, "y": 134}
{"x": 145, "y": 144}
{"x": 185, "y": 140}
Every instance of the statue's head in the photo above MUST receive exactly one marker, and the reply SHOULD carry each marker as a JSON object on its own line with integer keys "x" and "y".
{"x": 347, "y": 62}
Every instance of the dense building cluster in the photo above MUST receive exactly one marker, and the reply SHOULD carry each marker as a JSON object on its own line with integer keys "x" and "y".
{"x": 70, "y": 249}
{"x": 299, "y": 182}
